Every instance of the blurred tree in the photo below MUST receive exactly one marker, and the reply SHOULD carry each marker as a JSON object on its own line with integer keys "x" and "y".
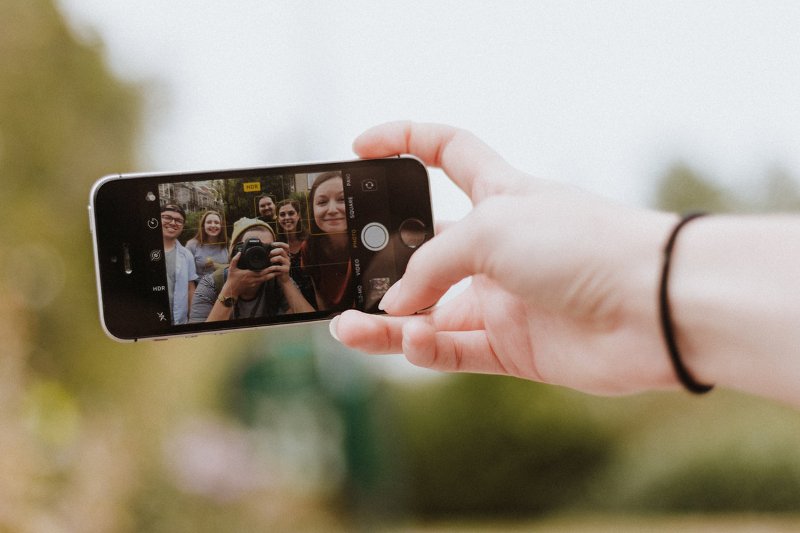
{"x": 781, "y": 192}
{"x": 681, "y": 189}
{"x": 494, "y": 446}
{"x": 724, "y": 453}
{"x": 301, "y": 388}
{"x": 96, "y": 435}
{"x": 64, "y": 122}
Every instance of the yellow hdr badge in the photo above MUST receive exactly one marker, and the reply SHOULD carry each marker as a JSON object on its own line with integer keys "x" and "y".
{"x": 253, "y": 186}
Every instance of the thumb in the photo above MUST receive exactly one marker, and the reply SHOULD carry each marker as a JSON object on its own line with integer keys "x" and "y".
{"x": 235, "y": 261}
{"x": 438, "y": 265}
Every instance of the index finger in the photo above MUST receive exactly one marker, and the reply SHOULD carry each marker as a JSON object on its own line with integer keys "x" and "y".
{"x": 279, "y": 249}
{"x": 472, "y": 165}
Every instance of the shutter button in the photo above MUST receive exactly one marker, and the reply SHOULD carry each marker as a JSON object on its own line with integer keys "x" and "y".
{"x": 375, "y": 236}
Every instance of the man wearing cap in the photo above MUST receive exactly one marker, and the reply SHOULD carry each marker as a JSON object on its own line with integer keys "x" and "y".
{"x": 234, "y": 292}
{"x": 179, "y": 262}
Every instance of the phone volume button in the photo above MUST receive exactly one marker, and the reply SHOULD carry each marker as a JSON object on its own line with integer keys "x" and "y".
{"x": 91, "y": 220}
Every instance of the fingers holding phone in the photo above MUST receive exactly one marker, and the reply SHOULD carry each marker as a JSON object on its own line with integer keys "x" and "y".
{"x": 472, "y": 165}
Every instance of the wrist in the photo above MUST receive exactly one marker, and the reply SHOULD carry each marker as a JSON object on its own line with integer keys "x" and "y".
{"x": 643, "y": 279}
{"x": 630, "y": 269}
{"x": 227, "y": 301}
{"x": 682, "y": 371}
{"x": 623, "y": 302}
{"x": 707, "y": 303}
{"x": 229, "y": 290}
{"x": 734, "y": 295}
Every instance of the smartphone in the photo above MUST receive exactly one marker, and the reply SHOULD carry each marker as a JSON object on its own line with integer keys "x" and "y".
{"x": 180, "y": 254}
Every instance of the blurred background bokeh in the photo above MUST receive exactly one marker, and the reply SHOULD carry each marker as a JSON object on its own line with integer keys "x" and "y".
{"x": 679, "y": 106}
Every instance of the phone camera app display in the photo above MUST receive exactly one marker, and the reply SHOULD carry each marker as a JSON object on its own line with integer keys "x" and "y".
{"x": 378, "y": 287}
{"x": 266, "y": 246}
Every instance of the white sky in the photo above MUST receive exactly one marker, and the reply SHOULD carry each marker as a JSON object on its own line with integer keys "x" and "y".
{"x": 600, "y": 94}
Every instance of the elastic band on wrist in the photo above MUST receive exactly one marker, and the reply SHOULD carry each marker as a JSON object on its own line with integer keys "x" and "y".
{"x": 667, "y": 325}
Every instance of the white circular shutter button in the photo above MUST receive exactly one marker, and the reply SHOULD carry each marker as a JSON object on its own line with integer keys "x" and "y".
{"x": 375, "y": 236}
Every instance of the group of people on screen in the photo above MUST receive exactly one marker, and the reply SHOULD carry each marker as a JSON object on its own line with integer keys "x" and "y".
{"x": 213, "y": 277}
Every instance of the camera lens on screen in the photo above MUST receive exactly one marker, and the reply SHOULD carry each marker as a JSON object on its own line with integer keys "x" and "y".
{"x": 255, "y": 254}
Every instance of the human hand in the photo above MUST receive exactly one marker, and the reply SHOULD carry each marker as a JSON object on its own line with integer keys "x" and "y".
{"x": 245, "y": 281}
{"x": 279, "y": 256}
{"x": 563, "y": 284}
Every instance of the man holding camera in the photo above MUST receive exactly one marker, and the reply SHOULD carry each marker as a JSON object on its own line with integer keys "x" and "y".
{"x": 255, "y": 284}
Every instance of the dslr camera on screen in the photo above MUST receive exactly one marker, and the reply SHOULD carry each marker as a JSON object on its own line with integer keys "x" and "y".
{"x": 255, "y": 254}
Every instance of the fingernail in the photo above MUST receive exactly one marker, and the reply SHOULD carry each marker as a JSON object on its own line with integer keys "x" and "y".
{"x": 332, "y": 327}
{"x": 390, "y": 295}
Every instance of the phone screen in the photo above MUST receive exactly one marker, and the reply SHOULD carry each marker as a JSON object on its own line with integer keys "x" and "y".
{"x": 178, "y": 254}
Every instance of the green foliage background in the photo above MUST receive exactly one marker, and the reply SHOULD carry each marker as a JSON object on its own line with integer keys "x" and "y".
{"x": 97, "y": 436}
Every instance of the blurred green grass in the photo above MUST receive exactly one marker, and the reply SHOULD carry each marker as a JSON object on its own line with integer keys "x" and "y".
{"x": 745, "y": 523}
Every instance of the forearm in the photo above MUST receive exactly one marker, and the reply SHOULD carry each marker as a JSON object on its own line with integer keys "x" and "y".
{"x": 219, "y": 312}
{"x": 202, "y": 301}
{"x": 192, "y": 287}
{"x": 734, "y": 290}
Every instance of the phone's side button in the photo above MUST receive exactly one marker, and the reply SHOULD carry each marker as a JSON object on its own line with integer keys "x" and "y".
{"x": 91, "y": 220}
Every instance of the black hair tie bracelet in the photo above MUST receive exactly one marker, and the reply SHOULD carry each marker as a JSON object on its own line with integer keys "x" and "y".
{"x": 667, "y": 326}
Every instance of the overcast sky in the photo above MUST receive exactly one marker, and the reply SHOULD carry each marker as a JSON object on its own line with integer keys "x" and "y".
{"x": 600, "y": 94}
